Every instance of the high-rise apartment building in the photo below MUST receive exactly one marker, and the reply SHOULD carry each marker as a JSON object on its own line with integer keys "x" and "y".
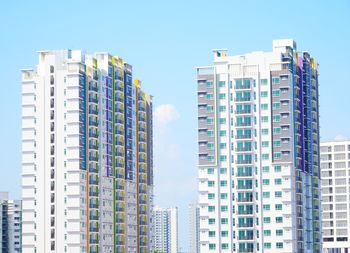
{"x": 165, "y": 230}
{"x": 86, "y": 155}
{"x": 10, "y": 224}
{"x": 259, "y": 152}
{"x": 335, "y": 189}
{"x": 193, "y": 227}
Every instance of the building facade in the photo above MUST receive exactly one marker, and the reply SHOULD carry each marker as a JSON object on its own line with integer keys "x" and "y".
{"x": 193, "y": 222}
{"x": 259, "y": 152}
{"x": 335, "y": 189}
{"x": 165, "y": 230}
{"x": 87, "y": 177}
{"x": 10, "y": 224}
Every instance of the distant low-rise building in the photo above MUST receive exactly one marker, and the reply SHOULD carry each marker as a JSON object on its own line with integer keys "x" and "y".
{"x": 165, "y": 230}
{"x": 193, "y": 213}
{"x": 335, "y": 187}
{"x": 10, "y": 224}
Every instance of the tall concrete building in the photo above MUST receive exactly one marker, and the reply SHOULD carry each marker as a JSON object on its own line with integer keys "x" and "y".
{"x": 193, "y": 227}
{"x": 165, "y": 230}
{"x": 258, "y": 145}
{"x": 10, "y": 224}
{"x": 335, "y": 188}
{"x": 87, "y": 179}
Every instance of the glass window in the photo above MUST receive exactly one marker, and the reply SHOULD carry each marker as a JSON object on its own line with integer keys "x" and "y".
{"x": 266, "y": 207}
{"x": 278, "y": 207}
{"x": 266, "y": 181}
{"x": 211, "y": 233}
{"x": 279, "y": 245}
{"x": 210, "y": 170}
{"x": 278, "y": 194}
{"x": 265, "y": 144}
{"x": 211, "y": 221}
{"x": 210, "y": 96}
{"x": 223, "y": 195}
{"x": 264, "y": 119}
{"x": 275, "y": 80}
{"x": 278, "y": 181}
{"x": 266, "y": 195}
{"x": 278, "y": 168}
{"x": 276, "y": 93}
{"x": 212, "y": 246}
{"x": 264, "y": 94}
{"x": 265, "y": 156}
{"x": 211, "y": 183}
{"x": 267, "y": 232}
{"x": 279, "y": 232}
{"x": 279, "y": 219}
{"x": 266, "y": 168}
{"x": 267, "y": 245}
{"x": 211, "y": 208}
{"x": 276, "y": 105}
{"x": 263, "y": 81}
{"x": 222, "y": 96}
{"x": 267, "y": 219}
{"x": 264, "y": 106}
{"x": 221, "y": 83}
{"x": 211, "y": 196}
{"x": 265, "y": 131}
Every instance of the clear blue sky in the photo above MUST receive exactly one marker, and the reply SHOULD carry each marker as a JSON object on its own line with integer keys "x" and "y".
{"x": 164, "y": 41}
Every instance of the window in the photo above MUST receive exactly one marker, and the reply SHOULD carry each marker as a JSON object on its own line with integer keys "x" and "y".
{"x": 224, "y": 221}
{"x": 278, "y": 194}
{"x": 210, "y": 108}
{"x": 264, "y": 119}
{"x": 276, "y": 105}
{"x": 222, "y": 96}
{"x": 278, "y": 168}
{"x": 279, "y": 232}
{"x": 266, "y": 207}
{"x": 278, "y": 181}
{"x": 264, "y": 106}
{"x": 277, "y": 143}
{"x": 223, "y": 195}
{"x": 264, "y": 131}
{"x": 276, "y": 130}
{"x": 212, "y": 246}
{"x": 277, "y": 155}
{"x": 266, "y": 181}
{"x": 276, "y": 118}
{"x": 276, "y": 93}
{"x": 265, "y": 156}
{"x": 210, "y": 96}
{"x": 211, "y": 195}
{"x": 221, "y": 83}
{"x": 210, "y": 121}
{"x": 266, "y": 195}
{"x": 224, "y": 233}
{"x": 224, "y": 208}
{"x": 211, "y": 221}
{"x": 223, "y": 158}
{"x": 264, "y": 94}
{"x": 223, "y": 170}
{"x": 265, "y": 168}
{"x": 222, "y": 121}
{"x": 211, "y": 183}
{"x": 265, "y": 144}
{"x": 279, "y": 245}
{"x": 267, "y": 219}
{"x": 211, "y": 208}
{"x": 267, "y": 232}
{"x": 263, "y": 81}
{"x": 224, "y": 246}
{"x": 222, "y": 108}
{"x": 211, "y": 233}
{"x": 222, "y": 133}
{"x": 209, "y": 84}
{"x": 210, "y": 145}
{"x": 278, "y": 207}
{"x": 275, "y": 80}
{"x": 279, "y": 219}
{"x": 223, "y": 183}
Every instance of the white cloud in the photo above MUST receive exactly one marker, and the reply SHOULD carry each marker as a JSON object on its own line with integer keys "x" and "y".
{"x": 165, "y": 114}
